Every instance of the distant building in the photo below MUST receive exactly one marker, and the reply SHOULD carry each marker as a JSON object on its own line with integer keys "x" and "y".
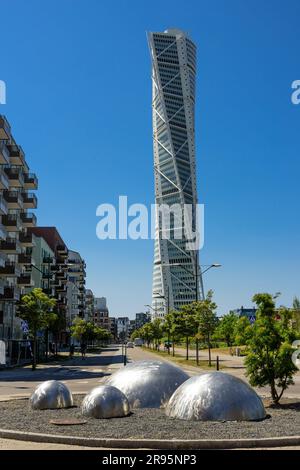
{"x": 100, "y": 303}
{"x": 131, "y": 327}
{"x": 75, "y": 286}
{"x": 101, "y": 313}
{"x": 122, "y": 328}
{"x": 113, "y": 327}
{"x": 142, "y": 318}
{"x": 250, "y": 313}
{"x": 89, "y": 305}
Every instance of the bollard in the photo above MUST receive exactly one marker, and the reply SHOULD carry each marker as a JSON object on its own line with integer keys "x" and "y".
{"x": 217, "y": 362}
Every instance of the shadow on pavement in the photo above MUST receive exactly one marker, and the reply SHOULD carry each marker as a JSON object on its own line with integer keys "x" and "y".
{"x": 71, "y": 369}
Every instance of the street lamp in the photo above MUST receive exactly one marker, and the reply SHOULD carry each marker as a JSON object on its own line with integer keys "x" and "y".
{"x": 194, "y": 274}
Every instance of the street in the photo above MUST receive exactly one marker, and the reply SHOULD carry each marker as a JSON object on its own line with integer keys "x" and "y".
{"x": 82, "y": 375}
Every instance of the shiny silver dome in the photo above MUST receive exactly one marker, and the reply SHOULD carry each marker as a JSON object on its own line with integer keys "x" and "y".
{"x": 215, "y": 396}
{"x": 50, "y": 395}
{"x": 105, "y": 401}
{"x": 148, "y": 384}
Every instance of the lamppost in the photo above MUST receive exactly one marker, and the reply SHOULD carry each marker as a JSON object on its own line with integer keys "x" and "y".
{"x": 194, "y": 274}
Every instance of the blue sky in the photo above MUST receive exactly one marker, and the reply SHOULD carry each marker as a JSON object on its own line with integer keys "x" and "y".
{"x": 79, "y": 101}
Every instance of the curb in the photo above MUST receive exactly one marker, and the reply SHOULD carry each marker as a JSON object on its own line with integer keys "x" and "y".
{"x": 174, "y": 444}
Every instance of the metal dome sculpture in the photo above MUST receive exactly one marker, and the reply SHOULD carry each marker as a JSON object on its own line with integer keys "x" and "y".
{"x": 148, "y": 384}
{"x": 105, "y": 401}
{"x": 51, "y": 395}
{"x": 215, "y": 396}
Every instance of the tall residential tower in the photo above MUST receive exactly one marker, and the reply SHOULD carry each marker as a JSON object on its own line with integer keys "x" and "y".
{"x": 176, "y": 277}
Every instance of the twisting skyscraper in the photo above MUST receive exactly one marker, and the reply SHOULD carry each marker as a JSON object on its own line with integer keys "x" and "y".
{"x": 176, "y": 277}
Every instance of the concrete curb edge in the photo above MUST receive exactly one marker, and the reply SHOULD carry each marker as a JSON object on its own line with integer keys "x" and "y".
{"x": 173, "y": 444}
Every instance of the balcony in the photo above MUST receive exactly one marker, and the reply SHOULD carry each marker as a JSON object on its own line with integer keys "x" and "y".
{"x": 15, "y": 176}
{"x": 55, "y": 267}
{"x": 4, "y": 181}
{"x": 30, "y": 181}
{"x": 10, "y": 269}
{"x": 17, "y": 156}
{"x": 13, "y": 199}
{"x": 3, "y": 232}
{"x": 25, "y": 280}
{"x": 11, "y": 222}
{"x": 29, "y": 200}
{"x": 47, "y": 275}
{"x": 3, "y": 206}
{"x": 24, "y": 258}
{"x": 62, "y": 251}
{"x": 4, "y": 128}
{"x": 10, "y": 293}
{"x": 61, "y": 275}
{"x": 10, "y": 245}
{"x": 26, "y": 239}
{"x": 28, "y": 219}
{"x": 48, "y": 291}
{"x": 3, "y": 259}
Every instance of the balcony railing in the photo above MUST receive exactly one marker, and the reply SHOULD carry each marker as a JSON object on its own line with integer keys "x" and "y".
{"x": 30, "y": 200}
{"x": 3, "y": 205}
{"x": 48, "y": 260}
{"x": 28, "y": 219}
{"x": 26, "y": 238}
{"x": 11, "y": 220}
{"x": 10, "y": 269}
{"x": 13, "y": 198}
{"x": 10, "y": 293}
{"x": 15, "y": 175}
{"x": 4, "y": 181}
{"x": 25, "y": 279}
{"x": 30, "y": 181}
{"x": 9, "y": 245}
{"x": 24, "y": 258}
{"x": 4, "y": 128}
{"x": 17, "y": 156}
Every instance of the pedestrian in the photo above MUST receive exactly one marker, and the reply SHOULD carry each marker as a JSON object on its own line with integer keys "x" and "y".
{"x": 83, "y": 350}
{"x": 72, "y": 349}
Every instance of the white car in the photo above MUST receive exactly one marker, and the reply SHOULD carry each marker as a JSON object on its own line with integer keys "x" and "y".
{"x": 129, "y": 344}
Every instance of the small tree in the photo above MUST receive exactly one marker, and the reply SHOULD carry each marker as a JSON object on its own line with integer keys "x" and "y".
{"x": 168, "y": 327}
{"x": 269, "y": 361}
{"x": 146, "y": 333}
{"x": 186, "y": 325}
{"x": 157, "y": 331}
{"x": 207, "y": 320}
{"x": 242, "y": 331}
{"x": 83, "y": 330}
{"x": 36, "y": 308}
{"x": 226, "y": 328}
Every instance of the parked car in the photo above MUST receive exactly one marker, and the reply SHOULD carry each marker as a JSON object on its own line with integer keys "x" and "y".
{"x": 129, "y": 344}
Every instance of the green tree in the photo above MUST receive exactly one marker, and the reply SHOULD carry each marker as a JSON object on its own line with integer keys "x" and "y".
{"x": 226, "y": 328}
{"x": 168, "y": 327}
{"x": 83, "y": 330}
{"x": 269, "y": 361}
{"x": 36, "y": 308}
{"x": 296, "y": 313}
{"x": 207, "y": 320}
{"x": 242, "y": 331}
{"x": 157, "y": 331}
{"x": 146, "y": 333}
{"x": 186, "y": 325}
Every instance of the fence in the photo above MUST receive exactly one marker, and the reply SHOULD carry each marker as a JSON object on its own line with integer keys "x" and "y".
{"x": 19, "y": 352}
